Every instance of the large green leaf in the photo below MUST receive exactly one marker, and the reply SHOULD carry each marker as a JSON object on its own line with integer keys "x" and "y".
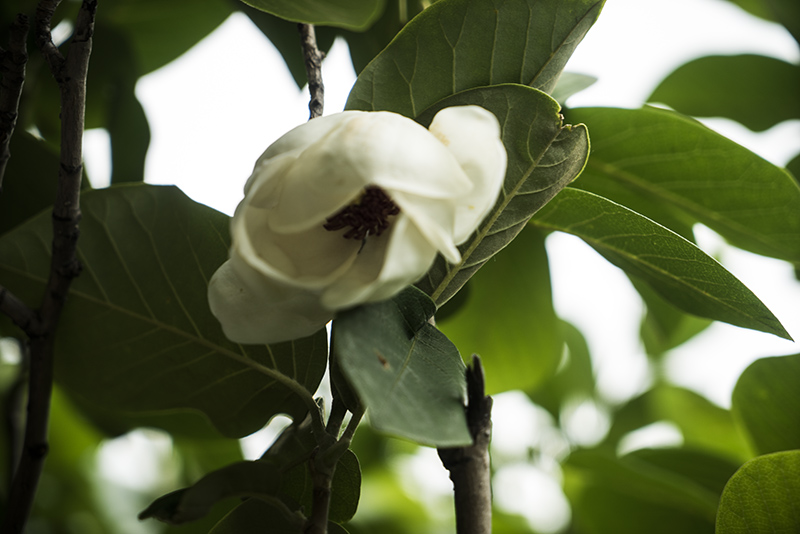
{"x": 574, "y": 377}
{"x": 458, "y": 45}
{"x": 364, "y": 46}
{"x": 519, "y": 341}
{"x": 136, "y": 334}
{"x": 676, "y": 171}
{"x": 635, "y": 495}
{"x": 766, "y": 400}
{"x": 544, "y": 155}
{"x": 349, "y": 14}
{"x": 762, "y": 497}
{"x": 161, "y": 31}
{"x": 664, "y": 326}
{"x": 787, "y": 12}
{"x": 674, "y": 268}
{"x": 285, "y": 36}
{"x": 757, "y": 91}
{"x": 406, "y": 372}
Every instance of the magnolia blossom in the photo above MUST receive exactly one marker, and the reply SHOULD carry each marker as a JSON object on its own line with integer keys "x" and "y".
{"x": 351, "y": 208}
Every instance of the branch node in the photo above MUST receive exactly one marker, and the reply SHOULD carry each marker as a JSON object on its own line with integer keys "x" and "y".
{"x": 313, "y": 59}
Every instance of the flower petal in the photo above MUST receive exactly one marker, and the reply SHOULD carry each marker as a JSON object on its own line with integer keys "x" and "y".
{"x": 385, "y": 265}
{"x": 255, "y": 310}
{"x": 311, "y": 259}
{"x": 433, "y": 218}
{"x": 472, "y": 134}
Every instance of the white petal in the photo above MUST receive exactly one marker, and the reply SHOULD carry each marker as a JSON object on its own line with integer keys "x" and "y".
{"x": 298, "y": 139}
{"x": 472, "y": 134}
{"x": 312, "y": 259}
{"x": 255, "y": 310}
{"x": 385, "y": 265}
{"x": 433, "y": 218}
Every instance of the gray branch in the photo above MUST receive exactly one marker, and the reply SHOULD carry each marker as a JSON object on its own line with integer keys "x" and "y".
{"x": 12, "y": 68}
{"x": 70, "y": 74}
{"x": 469, "y": 466}
{"x": 313, "y": 58}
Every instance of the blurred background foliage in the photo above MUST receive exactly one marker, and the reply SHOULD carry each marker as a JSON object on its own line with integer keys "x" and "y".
{"x": 98, "y": 478}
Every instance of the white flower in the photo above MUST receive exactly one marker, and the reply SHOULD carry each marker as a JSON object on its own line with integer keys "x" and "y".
{"x": 351, "y": 208}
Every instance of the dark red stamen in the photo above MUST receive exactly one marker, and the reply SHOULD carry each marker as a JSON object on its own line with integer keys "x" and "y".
{"x": 369, "y": 216}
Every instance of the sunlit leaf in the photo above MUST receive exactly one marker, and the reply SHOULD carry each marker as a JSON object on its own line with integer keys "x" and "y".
{"x": 664, "y": 326}
{"x": 406, "y": 372}
{"x": 544, "y": 155}
{"x": 350, "y": 14}
{"x": 509, "y": 318}
{"x": 676, "y": 171}
{"x": 766, "y": 400}
{"x": 761, "y": 498}
{"x": 473, "y": 43}
{"x": 571, "y": 83}
{"x": 675, "y": 268}
{"x": 757, "y": 91}
{"x": 629, "y": 495}
{"x": 574, "y": 377}
{"x": 137, "y": 335}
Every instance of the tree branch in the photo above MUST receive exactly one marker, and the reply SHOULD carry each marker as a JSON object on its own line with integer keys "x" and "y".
{"x": 313, "y": 59}
{"x": 70, "y": 73}
{"x": 469, "y": 466}
{"x": 12, "y": 68}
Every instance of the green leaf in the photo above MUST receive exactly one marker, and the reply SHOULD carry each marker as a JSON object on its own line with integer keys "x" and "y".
{"x": 757, "y": 8}
{"x": 766, "y": 400}
{"x": 707, "y": 470}
{"x": 242, "y": 479}
{"x": 674, "y": 268}
{"x": 787, "y": 12}
{"x": 761, "y": 498}
{"x": 703, "y": 424}
{"x": 757, "y": 91}
{"x": 544, "y": 155}
{"x": 458, "y": 45}
{"x": 571, "y": 83}
{"x": 253, "y": 515}
{"x": 519, "y": 341}
{"x": 676, "y": 172}
{"x": 574, "y": 377}
{"x": 364, "y": 46}
{"x": 629, "y": 495}
{"x": 161, "y": 31}
{"x": 136, "y": 334}
{"x": 286, "y": 38}
{"x": 349, "y": 14}
{"x": 345, "y": 488}
{"x": 664, "y": 326}
{"x": 407, "y": 373}
{"x": 30, "y": 180}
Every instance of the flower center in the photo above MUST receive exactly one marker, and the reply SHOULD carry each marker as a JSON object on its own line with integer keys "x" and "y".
{"x": 369, "y": 215}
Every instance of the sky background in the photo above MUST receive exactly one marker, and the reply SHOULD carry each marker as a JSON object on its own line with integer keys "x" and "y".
{"x": 213, "y": 111}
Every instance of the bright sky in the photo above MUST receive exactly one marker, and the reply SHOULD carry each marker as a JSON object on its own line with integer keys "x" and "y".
{"x": 213, "y": 111}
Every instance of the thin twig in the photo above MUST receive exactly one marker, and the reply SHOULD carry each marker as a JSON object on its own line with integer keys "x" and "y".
{"x": 20, "y": 314}
{"x": 70, "y": 74}
{"x": 469, "y": 466}
{"x": 313, "y": 58}
{"x": 12, "y": 68}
